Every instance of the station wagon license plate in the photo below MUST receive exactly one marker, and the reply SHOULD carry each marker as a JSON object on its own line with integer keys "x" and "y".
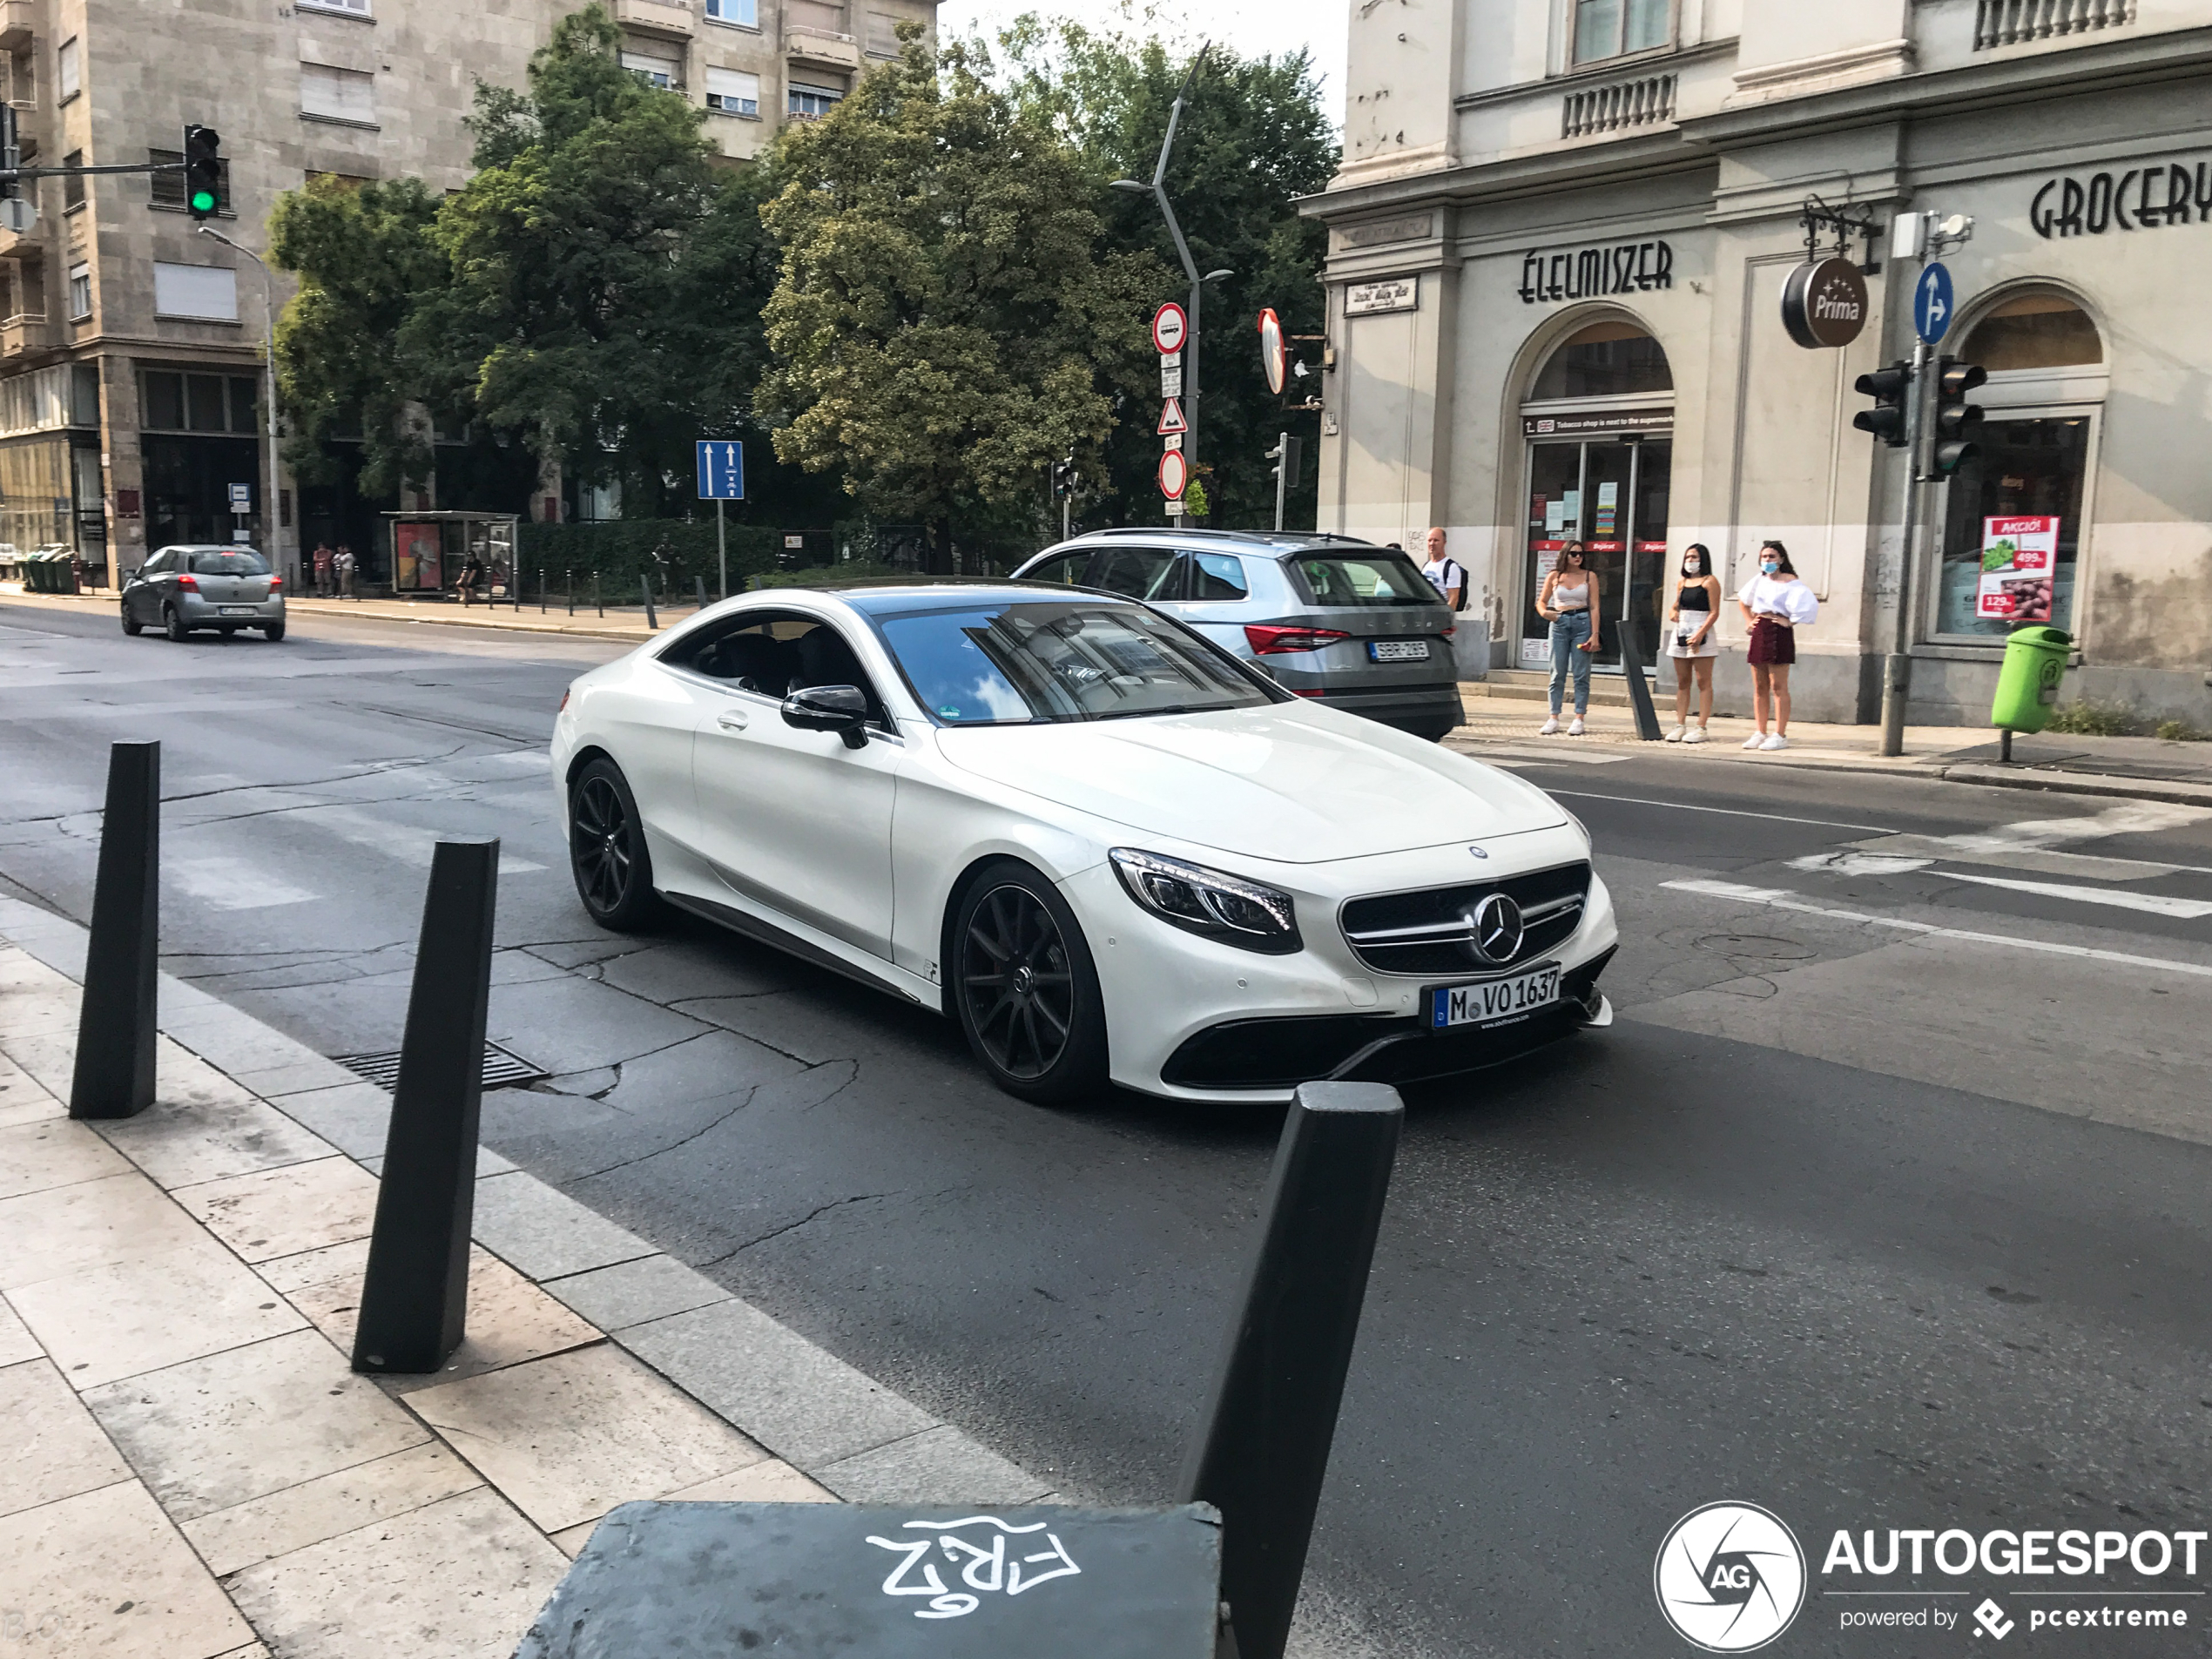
{"x": 1398, "y": 650}
{"x": 1493, "y": 1001}
{"x": 237, "y": 610}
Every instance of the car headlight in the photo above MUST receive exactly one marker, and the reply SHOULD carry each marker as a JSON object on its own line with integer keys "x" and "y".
{"x": 1209, "y": 903}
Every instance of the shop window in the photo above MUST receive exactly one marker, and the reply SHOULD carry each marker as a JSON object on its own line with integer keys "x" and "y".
{"x": 1605, "y": 359}
{"x": 1611, "y": 28}
{"x": 2013, "y": 530}
{"x": 172, "y": 401}
{"x": 161, "y": 401}
{"x": 2034, "y": 331}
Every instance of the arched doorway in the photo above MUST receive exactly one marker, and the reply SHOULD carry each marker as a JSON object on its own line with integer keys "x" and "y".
{"x": 2015, "y": 510}
{"x": 1598, "y": 422}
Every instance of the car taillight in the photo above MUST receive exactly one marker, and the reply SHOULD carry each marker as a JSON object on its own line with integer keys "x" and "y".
{"x": 1447, "y": 630}
{"x": 189, "y": 580}
{"x": 276, "y": 582}
{"x": 564, "y": 704}
{"x": 1268, "y": 640}
{"x": 1296, "y": 692}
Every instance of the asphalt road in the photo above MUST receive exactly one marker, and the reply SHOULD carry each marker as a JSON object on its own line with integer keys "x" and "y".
{"x": 1884, "y": 1203}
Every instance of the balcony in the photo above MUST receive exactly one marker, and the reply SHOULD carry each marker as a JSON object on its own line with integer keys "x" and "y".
{"x": 16, "y": 18}
{"x": 669, "y": 19}
{"x": 2015, "y": 23}
{"x": 1618, "y": 107}
{"x": 822, "y": 47}
{"x": 24, "y": 334}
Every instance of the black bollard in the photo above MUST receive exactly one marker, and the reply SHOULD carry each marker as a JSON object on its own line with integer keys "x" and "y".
{"x": 114, "y": 1028}
{"x": 1263, "y": 1445}
{"x": 597, "y": 600}
{"x": 646, "y": 586}
{"x": 568, "y": 581}
{"x": 541, "y": 591}
{"x": 699, "y": 585}
{"x": 1639, "y": 693}
{"x": 414, "y": 1301}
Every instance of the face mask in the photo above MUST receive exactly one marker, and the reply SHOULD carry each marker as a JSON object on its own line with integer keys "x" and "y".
{"x": 1691, "y": 567}
{"x": 1769, "y": 566}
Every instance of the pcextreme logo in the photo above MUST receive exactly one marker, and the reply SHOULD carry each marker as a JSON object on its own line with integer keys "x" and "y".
{"x": 1730, "y": 1577}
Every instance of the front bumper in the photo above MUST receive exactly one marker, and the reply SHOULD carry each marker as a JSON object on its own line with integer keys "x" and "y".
{"x": 1189, "y": 1019}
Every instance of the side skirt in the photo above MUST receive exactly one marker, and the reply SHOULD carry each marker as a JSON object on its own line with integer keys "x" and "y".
{"x": 767, "y": 933}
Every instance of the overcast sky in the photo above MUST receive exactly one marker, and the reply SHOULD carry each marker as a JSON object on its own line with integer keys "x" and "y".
{"x": 1253, "y": 27}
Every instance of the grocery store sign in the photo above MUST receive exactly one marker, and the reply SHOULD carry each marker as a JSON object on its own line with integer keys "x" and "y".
{"x": 1592, "y": 272}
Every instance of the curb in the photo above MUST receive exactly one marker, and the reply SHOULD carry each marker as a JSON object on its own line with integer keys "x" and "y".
{"x": 338, "y": 608}
{"x": 843, "y": 1429}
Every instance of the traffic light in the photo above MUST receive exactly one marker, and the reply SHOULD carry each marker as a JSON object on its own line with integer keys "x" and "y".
{"x": 1956, "y": 419}
{"x": 1890, "y": 389}
{"x": 1063, "y": 478}
{"x": 202, "y": 170}
{"x": 10, "y": 153}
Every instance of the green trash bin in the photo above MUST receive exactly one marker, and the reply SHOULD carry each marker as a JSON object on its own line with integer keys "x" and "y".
{"x": 2028, "y": 683}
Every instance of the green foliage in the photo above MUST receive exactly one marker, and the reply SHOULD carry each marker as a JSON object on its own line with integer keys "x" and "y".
{"x": 814, "y": 575}
{"x": 673, "y": 551}
{"x": 947, "y": 319}
{"x": 1253, "y": 137}
{"x": 364, "y": 256}
{"x": 2183, "y": 732}
{"x": 1194, "y": 498}
{"x": 2090, "y": 717}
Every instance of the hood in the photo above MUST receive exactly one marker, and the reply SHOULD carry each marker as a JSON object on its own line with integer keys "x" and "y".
{"x": 1289, "y": 783}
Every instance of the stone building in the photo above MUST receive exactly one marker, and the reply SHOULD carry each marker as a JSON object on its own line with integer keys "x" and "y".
{"x": 130, "y": 346}
{"x": 1559, "y": 239}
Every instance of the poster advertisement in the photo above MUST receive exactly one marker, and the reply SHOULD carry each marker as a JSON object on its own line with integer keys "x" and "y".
{"x": 2019, "y": 561}
{"x": 417, "y": 557}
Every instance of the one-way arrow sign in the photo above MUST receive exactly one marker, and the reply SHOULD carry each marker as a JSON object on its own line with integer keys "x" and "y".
{"x": 1172, "y": 417}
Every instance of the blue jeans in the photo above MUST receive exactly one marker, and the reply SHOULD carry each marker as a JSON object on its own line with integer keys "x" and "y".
{"x": 1569, "y": 629}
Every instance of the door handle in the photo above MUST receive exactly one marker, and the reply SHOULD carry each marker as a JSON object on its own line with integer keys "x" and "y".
{"x": 732, "y": 720}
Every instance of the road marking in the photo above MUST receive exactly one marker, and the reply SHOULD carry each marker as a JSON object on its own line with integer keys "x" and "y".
{"x": 232, "y": 883}
{"x": 1726, "y": 812}
{"x": 1549, "y": 755}
{"x": 1782, "y": 899}
{"x": 2156, "y": 903}
{"x": 405, "y": 841}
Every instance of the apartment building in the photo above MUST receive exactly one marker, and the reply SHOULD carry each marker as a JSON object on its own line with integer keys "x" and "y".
{"x": 1559, "y": 241}
{"x": 131, "y": 348}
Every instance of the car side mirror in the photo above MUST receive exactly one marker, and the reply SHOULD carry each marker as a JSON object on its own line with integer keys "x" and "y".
{"x": 841, "y": 709}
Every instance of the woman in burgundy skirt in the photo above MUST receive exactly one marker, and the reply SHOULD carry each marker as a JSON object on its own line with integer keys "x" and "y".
{"x": 1775, "y": 604}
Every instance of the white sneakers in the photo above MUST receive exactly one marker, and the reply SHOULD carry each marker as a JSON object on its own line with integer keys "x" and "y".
{"x": 1695, "y": 734}
{"x": 1777, "y": 741}
{"x": 1574, "y": 727}
{"x": 1765, "y": 740}
{"x": 1550, "y": 728}
{"x": 1756, "y": 740}
{"x": 1677, "y": 734}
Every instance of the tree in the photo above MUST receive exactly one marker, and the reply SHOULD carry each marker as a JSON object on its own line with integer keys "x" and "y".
{"x": 1253, "y": 139}
{"x": 365, "y": 256}
{"x": 947, "y": 318}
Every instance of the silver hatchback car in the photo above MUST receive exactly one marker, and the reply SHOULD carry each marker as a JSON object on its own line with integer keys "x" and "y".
{"x": 1351, "y": 625}
{"x": 185, "y": 588}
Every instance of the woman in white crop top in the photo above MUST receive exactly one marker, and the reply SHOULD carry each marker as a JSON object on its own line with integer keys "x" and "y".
{"x": 1775, "y": 604}
{"x": 1569, "y": 600}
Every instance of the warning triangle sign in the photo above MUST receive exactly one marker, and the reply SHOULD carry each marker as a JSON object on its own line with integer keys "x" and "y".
{"x": 1172, "y": 417}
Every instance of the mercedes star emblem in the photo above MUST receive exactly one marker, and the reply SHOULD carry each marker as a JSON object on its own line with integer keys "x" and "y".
{"x": 1478, "y": 852}
{"x": 1498, "y": 929}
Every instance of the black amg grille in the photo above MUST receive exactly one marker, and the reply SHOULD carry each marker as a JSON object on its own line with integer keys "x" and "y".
{"x": 1427, "y": 933}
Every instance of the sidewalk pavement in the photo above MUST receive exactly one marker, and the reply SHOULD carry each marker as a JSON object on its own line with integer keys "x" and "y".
{"x": 195, "y": 1470}
{"x": 623, "y": 622}
{"x": 2135, "y": 768}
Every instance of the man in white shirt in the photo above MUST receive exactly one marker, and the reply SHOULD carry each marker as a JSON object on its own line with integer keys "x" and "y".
{"x": 1445, "y": 574}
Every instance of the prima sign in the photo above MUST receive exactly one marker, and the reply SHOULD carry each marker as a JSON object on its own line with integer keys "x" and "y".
{"x": 1824, "y": 303}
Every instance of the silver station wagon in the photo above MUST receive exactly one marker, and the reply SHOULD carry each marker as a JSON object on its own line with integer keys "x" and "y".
{"x": 1347, "y": 623}
{"x": 183, "y": 589}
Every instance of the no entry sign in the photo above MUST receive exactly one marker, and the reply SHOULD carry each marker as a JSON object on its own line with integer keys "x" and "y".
{"x": 1175, "y": 472}
{"x": 1169, "y": 327}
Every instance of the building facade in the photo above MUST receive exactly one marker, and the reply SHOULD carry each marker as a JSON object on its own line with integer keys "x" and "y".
{"x": 131, "y": 356}
{"x": 1559, "y": 239}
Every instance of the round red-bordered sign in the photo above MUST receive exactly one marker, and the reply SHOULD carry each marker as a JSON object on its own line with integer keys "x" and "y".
{"x": 1175, "y": 472}
{"x": 1169, "y": 327}
{"x": 1272, "y": 356}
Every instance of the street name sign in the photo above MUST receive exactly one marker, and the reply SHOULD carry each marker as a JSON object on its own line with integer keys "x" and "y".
{"x": 721, "y": 463}
{"x": 1169, "y": 327}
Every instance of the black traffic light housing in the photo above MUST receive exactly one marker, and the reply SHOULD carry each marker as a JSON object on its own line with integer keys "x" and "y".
{"x": 1063, "y": 477}
{"x": 1955, "y": 418}
{"x": 202, "y": 170}
{"x": 1890, "y": 389}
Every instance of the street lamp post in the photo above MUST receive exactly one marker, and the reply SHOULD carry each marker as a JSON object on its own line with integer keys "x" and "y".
{"x": 1157, "y": 191}
{"x": 268, "y": 340}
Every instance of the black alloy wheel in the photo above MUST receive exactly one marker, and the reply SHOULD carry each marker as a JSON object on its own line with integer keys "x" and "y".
{"x": 1027, "y": 994}
{"x": 607, "y": 852}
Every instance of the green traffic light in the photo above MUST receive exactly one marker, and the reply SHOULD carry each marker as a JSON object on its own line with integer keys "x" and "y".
{"x": 203, "y": 201}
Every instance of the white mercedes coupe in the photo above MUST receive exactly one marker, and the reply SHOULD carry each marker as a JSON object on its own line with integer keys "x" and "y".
{"x": 1108, "y": 848}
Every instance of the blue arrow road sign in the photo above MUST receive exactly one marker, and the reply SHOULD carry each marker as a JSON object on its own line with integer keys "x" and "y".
{"x": 1932, "y": 303}
{"x": 721, "y": 469}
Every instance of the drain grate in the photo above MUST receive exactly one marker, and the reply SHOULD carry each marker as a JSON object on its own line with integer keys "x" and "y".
{"x": 503, "y": 1068}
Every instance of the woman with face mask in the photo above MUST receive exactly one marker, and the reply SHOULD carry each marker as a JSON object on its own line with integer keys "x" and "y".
{"x": 1690, "y": 642}
{"x": 1569, "y": 601}
{"x": 1775, "y": 604}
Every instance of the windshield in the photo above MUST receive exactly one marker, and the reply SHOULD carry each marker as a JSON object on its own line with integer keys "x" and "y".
{"x": 242, "y": 561}
{"x": 1380, "y": 577}
{"x": 1020, "y": 662}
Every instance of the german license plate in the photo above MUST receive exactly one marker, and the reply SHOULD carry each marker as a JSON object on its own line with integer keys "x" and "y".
{"x": 1398, "y": 650}
{"x": 237, "y": 610}
{"x": 1493, "y": 1001}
